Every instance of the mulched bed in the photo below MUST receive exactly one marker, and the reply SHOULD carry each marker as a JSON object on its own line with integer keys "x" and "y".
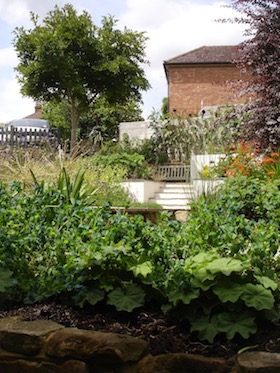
{"x": 163, "y": 335}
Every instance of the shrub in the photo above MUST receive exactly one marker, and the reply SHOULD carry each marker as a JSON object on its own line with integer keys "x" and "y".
{"x": 246, "y": 160}
{"x": 242, "y": 218}
{"x": 218, "y": 271}
{"x": 259, "y": 59}
{"x": 134, "y": 164}
{"x": 175, "y": 138}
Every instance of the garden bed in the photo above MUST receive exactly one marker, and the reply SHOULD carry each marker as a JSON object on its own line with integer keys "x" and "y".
{"x": 162, "y": 334}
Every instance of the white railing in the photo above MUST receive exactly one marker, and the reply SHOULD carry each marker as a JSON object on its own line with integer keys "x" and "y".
{"x": 173, "y": 173}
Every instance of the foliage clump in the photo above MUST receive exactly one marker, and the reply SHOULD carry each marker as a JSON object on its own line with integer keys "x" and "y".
{"x": 245, "y": 159}
{"x": 175, "y": 138}
{"x": 259, "y": 59}
{"x": 124, "y": 155}
{"x": 218, "y": 271}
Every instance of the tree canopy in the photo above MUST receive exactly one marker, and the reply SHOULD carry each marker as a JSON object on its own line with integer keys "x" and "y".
{"x": 67, "y": 57}
{"x": 259, "y": 57}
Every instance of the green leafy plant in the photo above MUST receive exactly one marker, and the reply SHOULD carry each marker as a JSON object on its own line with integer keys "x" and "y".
{"x": 219, "y": 289}
{"x": 127, "y": 298}
{"x": 175, "y": 138}
{"x": 218, "y": 271}
{"x": 241, "y": 218}
{"x": 134, "y": 164}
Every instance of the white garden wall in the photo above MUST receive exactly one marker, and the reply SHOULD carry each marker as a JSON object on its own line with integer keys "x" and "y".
{"x": 141, "y": 190}
{"x": 197, "y": 163}
{"x": 201, "y": 160}
{"x": 206, "y": 186}
{"x": 135, "y": 130}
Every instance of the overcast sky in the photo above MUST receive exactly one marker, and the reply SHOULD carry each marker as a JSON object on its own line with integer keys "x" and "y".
{"x": 172, "y": 26}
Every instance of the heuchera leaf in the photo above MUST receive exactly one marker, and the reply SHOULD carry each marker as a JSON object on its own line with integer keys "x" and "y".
{"x": 258, "y": 297}
{"x": 127, "y": 298}
{"x": 228, "y": 292}
{"x": 197, "y": 267}
{"x": 203, "y": 285}
{"x": 266, "y": 282}
{"x": 203, "y": 275}
{"x": 186, "y": 296}
{"x": 92, "y": 296}
{"x": 199, "y": 261}
{"x": 143, "y": 269}
{"x": 206, "y": 330}
{"x": 225, "y": 266}
{"x": 232, "y": 324}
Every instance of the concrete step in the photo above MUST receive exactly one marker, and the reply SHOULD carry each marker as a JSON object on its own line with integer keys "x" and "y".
{"x": 178, "y": 185}
{"x": 173, "y": 201}
{"x": 187, "y": 192}
{"x": 175, "y": 196}
{"x": 173, "y": 206}
{"x": 165, "y": 207}
{"x": 176, "y": 190}
{"x": 179, "y": 190}
{"x": 172, "y": 195}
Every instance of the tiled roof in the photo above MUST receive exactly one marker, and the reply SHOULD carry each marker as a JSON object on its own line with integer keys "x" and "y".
{"x": 207, "y": 54}
{"x": 36, "y": 115}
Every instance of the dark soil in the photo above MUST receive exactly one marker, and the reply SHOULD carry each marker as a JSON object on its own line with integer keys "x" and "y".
{"x": 163, "y": 335}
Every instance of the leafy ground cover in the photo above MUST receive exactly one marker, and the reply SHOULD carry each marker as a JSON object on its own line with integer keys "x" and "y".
{"x": 218, "y": 274}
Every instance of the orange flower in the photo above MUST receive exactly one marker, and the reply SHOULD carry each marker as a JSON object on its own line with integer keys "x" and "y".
{"x": 268, "y": 160}
{"x": 275, "y": 155}
{"x": 270, "y": 173}
{"x": 230, "y": 173}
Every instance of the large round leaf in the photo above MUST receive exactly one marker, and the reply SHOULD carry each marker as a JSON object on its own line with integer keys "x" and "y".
{"x": 127, "y": 298}
{"x": 258, "y": 297}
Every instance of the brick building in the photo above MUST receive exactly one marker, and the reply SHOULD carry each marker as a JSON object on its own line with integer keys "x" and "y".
{"x": 202, "y": 78}
{"x": 37, "y": 113}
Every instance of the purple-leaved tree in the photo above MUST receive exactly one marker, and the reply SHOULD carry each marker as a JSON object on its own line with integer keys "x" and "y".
{"x": 260, "y": 58}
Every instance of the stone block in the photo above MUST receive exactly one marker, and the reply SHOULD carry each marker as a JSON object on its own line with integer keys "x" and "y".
{"x": 25, "y": 337}
{"x": 182, "y": 363}
{"x": 25, "y": 366}
{"x": 95, "y": 346}
{"x": 258, "y": 362}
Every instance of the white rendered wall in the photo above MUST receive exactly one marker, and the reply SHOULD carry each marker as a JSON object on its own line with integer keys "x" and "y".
{"x": 201, "y": 160}
{"x": 197, "y": 163}
{"x": 135, "y": 130}
{"x": 141, "y": 190}
{"x": 206, "y": 186}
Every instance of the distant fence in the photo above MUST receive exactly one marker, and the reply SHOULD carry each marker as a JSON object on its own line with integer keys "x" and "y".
{"x": 28, "y": 138}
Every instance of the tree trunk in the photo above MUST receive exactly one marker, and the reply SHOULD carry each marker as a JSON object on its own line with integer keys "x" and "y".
{"x": 75, "y": 119}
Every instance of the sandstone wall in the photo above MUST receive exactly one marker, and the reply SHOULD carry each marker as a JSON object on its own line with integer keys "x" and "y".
{"x": 43, "y": 346}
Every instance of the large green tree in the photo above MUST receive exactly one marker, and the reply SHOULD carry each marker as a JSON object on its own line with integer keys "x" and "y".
{"x": 67, "y": 57}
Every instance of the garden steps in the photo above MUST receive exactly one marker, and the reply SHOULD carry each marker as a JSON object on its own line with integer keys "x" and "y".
{"x": 175, "y": 196}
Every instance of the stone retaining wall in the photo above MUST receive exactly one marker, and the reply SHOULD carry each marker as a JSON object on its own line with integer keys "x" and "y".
{"x": 47, "y": 347}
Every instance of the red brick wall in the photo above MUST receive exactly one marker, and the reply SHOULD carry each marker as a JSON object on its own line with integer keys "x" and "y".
{"x": 194, "y": 86}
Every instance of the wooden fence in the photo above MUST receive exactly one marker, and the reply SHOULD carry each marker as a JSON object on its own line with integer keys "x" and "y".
{"x": 25, "y": 137}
